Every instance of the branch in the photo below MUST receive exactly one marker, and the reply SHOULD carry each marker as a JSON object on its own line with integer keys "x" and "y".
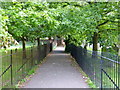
{"x": 102, "y": 23}
{"x": 115, "y": 21}
{"x": 107, "y": 30}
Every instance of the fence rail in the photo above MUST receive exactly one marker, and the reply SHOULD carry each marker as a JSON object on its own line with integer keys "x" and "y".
{"x": 103, "y": 70}
{"x": 15, "y": 66}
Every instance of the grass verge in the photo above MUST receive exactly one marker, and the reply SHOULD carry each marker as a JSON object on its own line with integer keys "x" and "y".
{"x": 32, "y": 72}
{"x": 85, "y": 77}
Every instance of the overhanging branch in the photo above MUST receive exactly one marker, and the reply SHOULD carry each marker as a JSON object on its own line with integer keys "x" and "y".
{"x": 102, "y": 23}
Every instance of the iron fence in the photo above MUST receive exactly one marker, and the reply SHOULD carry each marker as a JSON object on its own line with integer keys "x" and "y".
{"x": 103, "y": 71}
{"x": 17, "y": 63}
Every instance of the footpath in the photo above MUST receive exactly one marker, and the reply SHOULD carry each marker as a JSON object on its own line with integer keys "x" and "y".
{"x": 57, "y": 72}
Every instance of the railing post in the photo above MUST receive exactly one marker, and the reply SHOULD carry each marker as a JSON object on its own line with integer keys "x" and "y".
{"x": 11, "y": 68}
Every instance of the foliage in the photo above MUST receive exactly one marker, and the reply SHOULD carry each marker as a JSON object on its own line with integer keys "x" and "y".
{"x": 76, "y": 21}
{"x": 5, "y": 38}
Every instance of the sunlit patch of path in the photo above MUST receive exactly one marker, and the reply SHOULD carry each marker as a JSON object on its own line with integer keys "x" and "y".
{"x": 57, "y": 72}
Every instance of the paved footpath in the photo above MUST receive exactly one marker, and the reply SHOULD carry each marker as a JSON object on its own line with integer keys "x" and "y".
{"x": 57, "y": 72}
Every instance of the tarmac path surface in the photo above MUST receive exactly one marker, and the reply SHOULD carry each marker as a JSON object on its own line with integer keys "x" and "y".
{"x": 57, "y": 72}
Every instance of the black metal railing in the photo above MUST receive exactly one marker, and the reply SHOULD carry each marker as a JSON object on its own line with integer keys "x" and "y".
{"x": 17, "y": 63}
{"x": 103, "y": 71}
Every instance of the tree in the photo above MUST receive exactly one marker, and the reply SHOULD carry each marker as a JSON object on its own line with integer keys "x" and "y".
{"x": 5, "y": 38}
{"x": 78, "y": 22}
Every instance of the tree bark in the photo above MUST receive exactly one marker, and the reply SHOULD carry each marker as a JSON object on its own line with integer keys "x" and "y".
{"x": 24, "y": 48}
{"x": 66, "y": 43}
{"x": 38, "y": 48}
{"x": 85, "y": 46}
{"x": 49, "y": 38}
{"x": 95, "y": 46}
{"x": 38, "y": 41}
{"x": 95, "y": 41}
{"x": 51, "y": 46}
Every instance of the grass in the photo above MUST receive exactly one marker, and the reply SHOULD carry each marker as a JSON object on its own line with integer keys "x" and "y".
{"x": 31, "y": 72}
{"x": 92, "y": 68}
{"x": 88, "y": 80}
{"x": 17, "y": 62}
{"x": 85, "y": 77}
{"x": 28, "y": 76}
{"x": 90, "y": 49}
{"x": 19, "y": 46}
{"x": 113, "y": 72}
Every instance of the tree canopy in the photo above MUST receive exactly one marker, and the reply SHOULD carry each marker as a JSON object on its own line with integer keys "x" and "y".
{"x": 80, "y": 22}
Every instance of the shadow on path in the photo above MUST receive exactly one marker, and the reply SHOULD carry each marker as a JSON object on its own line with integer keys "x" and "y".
{"x": 57, "y": 72}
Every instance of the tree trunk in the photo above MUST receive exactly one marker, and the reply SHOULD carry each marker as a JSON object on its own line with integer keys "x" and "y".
{"x": 24, "y": 48}
{"x": 38, "y": 41}
{"x": 51, "y": 46}
{"x": 49, "y": 38}
{"x": 95, "y": 42}
{"x": 38, "y": 48}
{"x": 85, "y": 46}
{"x": 85, "y": 49}
{"x": 67, "y": 44}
